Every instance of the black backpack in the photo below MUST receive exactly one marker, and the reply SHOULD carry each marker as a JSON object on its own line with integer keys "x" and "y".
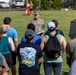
{"x": 52, "y": 47}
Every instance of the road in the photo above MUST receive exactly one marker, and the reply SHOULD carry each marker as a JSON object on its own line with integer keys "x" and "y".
{"x": 13, "y": 9}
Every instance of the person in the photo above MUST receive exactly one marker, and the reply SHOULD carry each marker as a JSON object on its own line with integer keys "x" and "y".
{"x": 31, "y": 6}
{"x": 39, "y": 23}
{"x": 6, "y": 45}
{"x": 58, "y": 31}
{"x": 71, "y": 51}
{"x": 54, "y": 64}
{"x": 37, "y": 39}
{"x": 29, "y": 55}
{"x": 73, "y": 68}
{"x": 3, "y": 65}
{"x": 13, "y": 34}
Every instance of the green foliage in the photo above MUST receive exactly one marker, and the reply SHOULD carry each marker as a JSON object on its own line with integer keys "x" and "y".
{"x": 35, "y": 2}
{"x": 45, "y": 4}
{"x": 57, "y": 4}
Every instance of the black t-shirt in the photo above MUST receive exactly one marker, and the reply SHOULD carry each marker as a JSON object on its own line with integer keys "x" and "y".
{"x": 29, "y": 54}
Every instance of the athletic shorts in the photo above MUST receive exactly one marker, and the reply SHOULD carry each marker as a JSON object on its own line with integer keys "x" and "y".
{"x": 8, "y": 58}
{"x": 13, "y": 58}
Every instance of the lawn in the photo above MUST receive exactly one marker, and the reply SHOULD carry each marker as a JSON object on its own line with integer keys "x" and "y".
{"x": 20, "y": 22}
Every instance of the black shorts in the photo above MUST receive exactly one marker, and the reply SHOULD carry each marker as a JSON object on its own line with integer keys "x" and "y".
{"x": 8, "y": 58}
{"x": 35, "y": 72}
{"x": 13, "y": 58}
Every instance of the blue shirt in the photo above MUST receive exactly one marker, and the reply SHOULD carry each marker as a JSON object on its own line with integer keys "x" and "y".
{"x": 73, "y": 69}
{"x": 12, "y": 33}
{"x": 37, "y": 39}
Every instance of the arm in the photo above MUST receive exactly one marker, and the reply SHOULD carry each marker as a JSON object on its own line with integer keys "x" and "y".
{"x": 12, "y": 44}
{"x": 16, "y": 42}
{"x": 68, "y": 57}
{"x": 63, "y": 43}
{"x": 39, "y": 60}
{"x": 43, "y": 42}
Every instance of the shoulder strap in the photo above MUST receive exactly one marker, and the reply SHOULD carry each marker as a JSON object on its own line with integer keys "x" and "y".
{"x": 52, "y": 36}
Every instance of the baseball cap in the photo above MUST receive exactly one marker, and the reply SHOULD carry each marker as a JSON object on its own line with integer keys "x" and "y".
{"x": 51, "y": 25}
{"x": 29, "y": 33}
{"x": 1, "y": 61}
{"x": 36, "y": 12}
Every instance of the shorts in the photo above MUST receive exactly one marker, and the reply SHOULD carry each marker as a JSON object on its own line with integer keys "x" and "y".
{"x": 35, "y": 72}
{"x": 8, "y": 58}
{"x": 13, "y": 58}
{"x": 6, "y": 69}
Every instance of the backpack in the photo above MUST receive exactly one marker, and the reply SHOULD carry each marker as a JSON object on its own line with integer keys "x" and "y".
{"x": 52, "y": 47}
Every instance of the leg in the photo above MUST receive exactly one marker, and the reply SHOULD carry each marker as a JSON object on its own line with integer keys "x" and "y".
{"x": 47, "y": 69}
{"x": 57, "y": 68}
{"x": 13, "y": 68}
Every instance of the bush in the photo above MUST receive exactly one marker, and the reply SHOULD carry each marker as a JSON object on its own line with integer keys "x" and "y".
{"x": 45, "y": 4}
{"x": 57, "y": 4}
{"x": 36, "y": 3}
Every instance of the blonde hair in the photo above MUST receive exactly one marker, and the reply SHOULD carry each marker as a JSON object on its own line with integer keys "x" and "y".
{"x": 3, "y": 30}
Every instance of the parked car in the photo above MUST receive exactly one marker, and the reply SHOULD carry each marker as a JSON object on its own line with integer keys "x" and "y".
{"x": 4, "y": 5}
{"x": 17, "y": 3}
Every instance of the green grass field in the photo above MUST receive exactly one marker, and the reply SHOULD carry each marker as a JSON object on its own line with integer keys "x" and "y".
{"x": 20, "y": 22}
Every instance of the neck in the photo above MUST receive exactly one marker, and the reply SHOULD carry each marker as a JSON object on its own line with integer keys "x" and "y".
{"x": 4, "y": 34}
{"x": 7, "y": 25}
{"x": 53, "y": 32}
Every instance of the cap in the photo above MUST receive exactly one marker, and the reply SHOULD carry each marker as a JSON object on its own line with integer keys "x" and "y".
{"x": 36, "y": 12}
{"x": 29, "y": 33}
{"x": 51, "y": 25}
{"x": 1, "y": 61}
{"x": 4, "y": 28}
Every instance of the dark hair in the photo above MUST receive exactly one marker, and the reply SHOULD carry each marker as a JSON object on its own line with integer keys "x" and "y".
{"x": 29, "y": 39}
{"x": 31, "y": 26}
{"x": 7, "y": 20}
{"x": 56, "y": 22}
{"x": 51, "y": 29}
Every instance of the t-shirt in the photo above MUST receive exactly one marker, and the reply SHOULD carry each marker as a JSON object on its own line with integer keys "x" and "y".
{"x": 73, "y": 69}
{"x": 12, "y": 33}
{"x": 53, "y": 60}
{"x": 37, "y": 39}
{"x": 29, "y": 54}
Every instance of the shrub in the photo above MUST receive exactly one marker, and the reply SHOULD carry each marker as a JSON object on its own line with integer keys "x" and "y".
{"x": 45, "y": 4}
{"x": 57, "y": 4}
{"x": 35, "y": 2}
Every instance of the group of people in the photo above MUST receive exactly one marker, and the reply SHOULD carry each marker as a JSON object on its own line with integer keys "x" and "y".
{"x": 35, "y": 44}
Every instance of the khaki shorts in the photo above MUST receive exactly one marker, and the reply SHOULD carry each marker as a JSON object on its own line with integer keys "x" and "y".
{"x": 5, "y": 65}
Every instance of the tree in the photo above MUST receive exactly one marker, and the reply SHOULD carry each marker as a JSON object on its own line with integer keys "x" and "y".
{"x": 45, "y": 4}
{"x": 36, "y": 3}
{"x": 57, "y": 4}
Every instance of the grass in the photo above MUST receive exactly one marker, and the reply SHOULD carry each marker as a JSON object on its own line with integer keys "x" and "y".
{"x": 20, "y": 22}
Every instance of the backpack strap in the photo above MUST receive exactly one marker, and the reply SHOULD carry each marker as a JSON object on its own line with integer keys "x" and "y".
{"x": 52, "y": 36}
